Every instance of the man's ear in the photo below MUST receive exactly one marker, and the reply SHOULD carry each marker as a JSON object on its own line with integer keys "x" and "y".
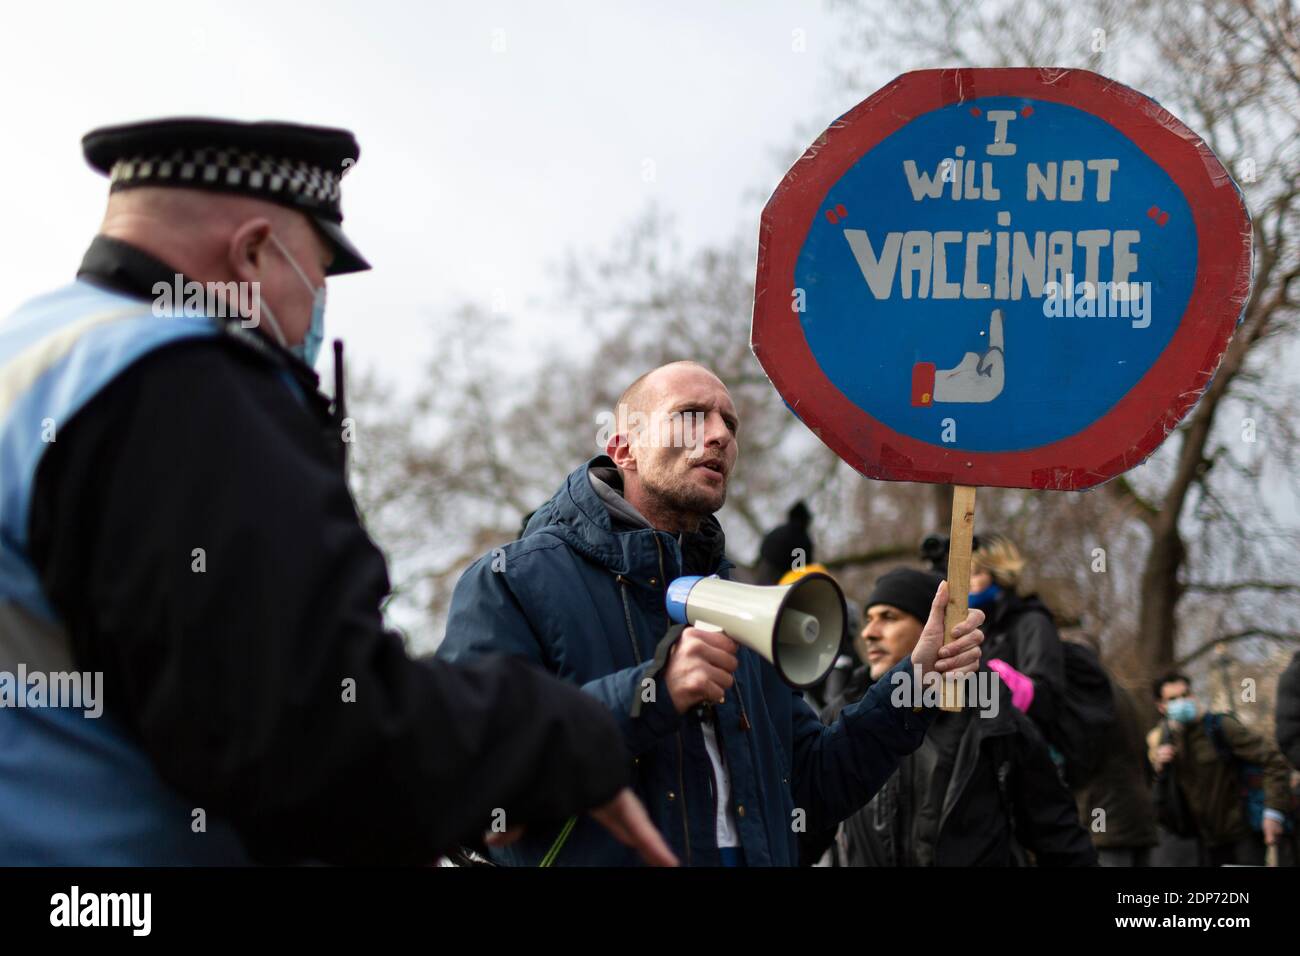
{"x": 621, "y": 452}
{"x": 247, "y": 249}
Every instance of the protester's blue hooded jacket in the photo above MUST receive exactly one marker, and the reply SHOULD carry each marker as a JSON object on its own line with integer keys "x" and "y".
{"x": 584, "y": 599}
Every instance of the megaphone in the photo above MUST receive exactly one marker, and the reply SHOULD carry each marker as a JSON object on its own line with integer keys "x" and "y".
{"x": 797, "y": 627}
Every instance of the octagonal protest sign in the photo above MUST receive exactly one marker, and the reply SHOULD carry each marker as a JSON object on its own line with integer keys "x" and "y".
{"x": 1011, "y": 277}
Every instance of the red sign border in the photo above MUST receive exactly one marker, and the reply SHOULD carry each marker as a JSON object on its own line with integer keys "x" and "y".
{"x": 1127, "y": 434}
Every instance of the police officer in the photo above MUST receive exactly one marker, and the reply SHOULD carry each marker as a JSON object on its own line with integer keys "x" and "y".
{"x": 175, "y": 521}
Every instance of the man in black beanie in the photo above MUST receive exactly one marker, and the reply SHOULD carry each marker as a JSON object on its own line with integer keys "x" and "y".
{"x": 901, "y": 596}
{"x": 981, "y": 788}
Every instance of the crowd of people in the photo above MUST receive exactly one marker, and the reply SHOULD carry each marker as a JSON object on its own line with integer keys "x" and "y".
{"x": 1198, "y": 788}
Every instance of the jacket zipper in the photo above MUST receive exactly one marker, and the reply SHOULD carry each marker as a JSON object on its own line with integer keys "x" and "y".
{"x": 681, "y": 789}
{"x": 627, "y": 617}
{"x": 740, "y": 699}
{"x": 659, "y": 549}
{"x": 681, "y": 744}
{"x": 636, "y": 654}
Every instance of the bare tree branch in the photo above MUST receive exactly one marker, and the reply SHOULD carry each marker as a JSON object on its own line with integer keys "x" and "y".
{"x": 1283, "y": 637}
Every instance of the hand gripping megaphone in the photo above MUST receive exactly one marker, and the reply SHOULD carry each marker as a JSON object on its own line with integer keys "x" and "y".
{"x": 797, "y": 627}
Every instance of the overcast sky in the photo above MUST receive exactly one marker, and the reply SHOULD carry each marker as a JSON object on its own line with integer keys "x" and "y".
{"x": 495, "y": 135}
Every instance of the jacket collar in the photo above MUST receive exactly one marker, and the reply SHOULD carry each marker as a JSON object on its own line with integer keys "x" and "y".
{"x": 119, "y": 266}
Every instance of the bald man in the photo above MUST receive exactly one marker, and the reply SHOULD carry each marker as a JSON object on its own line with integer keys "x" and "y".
{"x": 732, "y": 764}
{"x": 180, "y": 552}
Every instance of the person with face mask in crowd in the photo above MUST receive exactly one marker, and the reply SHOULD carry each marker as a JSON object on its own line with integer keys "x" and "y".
{"x": 176, "y": 530}
{"x": 1023, "y": 644}
{"x": 981, "y": 789}
{"x": 1207, "y": 751}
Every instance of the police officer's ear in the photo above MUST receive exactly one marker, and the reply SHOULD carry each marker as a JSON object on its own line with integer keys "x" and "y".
{"x": 249, "y": 245}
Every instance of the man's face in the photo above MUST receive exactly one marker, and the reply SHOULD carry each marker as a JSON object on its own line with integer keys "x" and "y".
{"x": 1172, "y": 691}
{"x": 687, "y": 449}
{"x": 890, "y": 635}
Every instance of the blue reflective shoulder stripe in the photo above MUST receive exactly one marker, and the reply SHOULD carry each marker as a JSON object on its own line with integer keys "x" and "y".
{"x": 56, "y": 355}
{"x": 75, "y": 789}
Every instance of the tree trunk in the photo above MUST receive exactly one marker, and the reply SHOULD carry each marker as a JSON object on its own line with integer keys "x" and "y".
{"x": 941, "y": 502}
{"x": 1161, "y": 591}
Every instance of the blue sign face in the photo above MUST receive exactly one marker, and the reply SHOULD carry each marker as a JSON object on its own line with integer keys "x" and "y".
{"x": 996, "y": 274}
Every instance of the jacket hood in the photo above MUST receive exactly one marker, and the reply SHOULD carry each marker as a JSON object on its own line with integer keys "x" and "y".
{"x": 579, "y": 516}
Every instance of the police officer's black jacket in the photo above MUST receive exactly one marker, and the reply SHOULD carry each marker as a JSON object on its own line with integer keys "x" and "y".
{"x": 233, "y": 676}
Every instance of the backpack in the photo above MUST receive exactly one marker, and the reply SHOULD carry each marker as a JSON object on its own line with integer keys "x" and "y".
{"x": 1250, "y": 776}
{"x": 1085, "y": 713}
{"x": 1077, "y": 737}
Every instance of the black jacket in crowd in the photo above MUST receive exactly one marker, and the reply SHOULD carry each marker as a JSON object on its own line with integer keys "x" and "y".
{"x": 232, "y": 679}
{"x": 1288, "y": 712}
{"x": 776, "y": 552}
{"x": 1020, "y": 631}
{"x": 1122, "y": 783}
{"x": 979, "y": 791}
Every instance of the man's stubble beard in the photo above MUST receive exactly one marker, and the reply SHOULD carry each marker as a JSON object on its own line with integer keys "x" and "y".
{"x": 679, "y": 495}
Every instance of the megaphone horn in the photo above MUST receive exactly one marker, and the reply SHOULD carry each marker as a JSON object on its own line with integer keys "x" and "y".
{"x": 797, "y": 627}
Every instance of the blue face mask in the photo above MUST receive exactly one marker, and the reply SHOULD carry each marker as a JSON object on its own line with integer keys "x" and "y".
{"x": 309, "y": 349}
{"x": 982, "y": 599}
{"x": 1181, "y": 711}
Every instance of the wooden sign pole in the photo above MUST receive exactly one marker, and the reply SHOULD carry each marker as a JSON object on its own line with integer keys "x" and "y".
{"x": 959, "y": 548}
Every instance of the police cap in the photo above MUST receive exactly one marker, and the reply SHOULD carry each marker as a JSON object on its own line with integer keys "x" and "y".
{"x": 301, "y": 167}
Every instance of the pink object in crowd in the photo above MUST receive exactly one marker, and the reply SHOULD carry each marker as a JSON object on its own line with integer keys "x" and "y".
{"x": 1022, "y": 688}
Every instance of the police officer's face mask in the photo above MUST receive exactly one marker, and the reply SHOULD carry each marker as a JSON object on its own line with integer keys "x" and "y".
{"x": 309, "y": 349}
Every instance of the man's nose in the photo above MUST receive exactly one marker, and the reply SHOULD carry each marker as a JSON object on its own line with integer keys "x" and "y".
{"x": 716, "y": 432}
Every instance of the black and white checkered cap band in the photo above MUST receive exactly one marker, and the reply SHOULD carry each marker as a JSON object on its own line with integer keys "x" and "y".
{"x": 250, "y": 173}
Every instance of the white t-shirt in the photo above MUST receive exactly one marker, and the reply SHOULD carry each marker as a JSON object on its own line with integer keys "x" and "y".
{"x": 725, "y": 824}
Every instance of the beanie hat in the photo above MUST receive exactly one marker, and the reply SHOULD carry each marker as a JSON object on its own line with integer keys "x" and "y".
{"x": 908, "y": 590}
